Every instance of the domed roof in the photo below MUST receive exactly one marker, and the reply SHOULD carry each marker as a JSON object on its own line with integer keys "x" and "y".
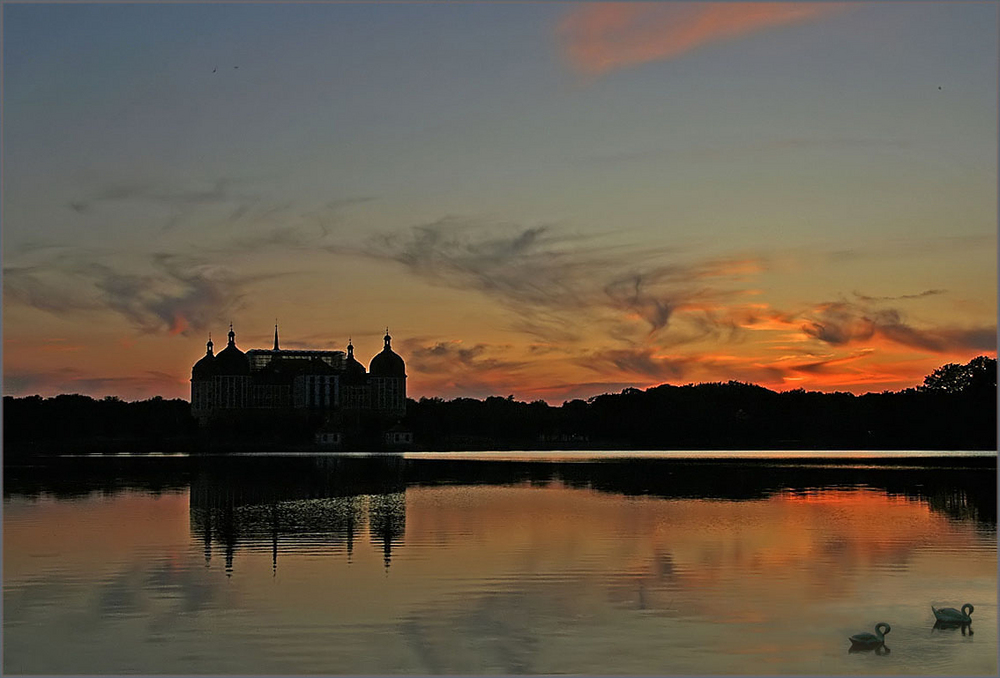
{"x": 354, "y": 372}
{"x": 204, "y": 368}
{"x": 387, "y": 363}
{"x": 231, "y": 361}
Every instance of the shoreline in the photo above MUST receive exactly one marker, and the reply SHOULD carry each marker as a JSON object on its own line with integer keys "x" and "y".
{"x": 918, "y": 459}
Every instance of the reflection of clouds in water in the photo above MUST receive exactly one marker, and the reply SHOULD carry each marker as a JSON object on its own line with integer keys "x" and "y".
{"x": 520, "y": 580}
{"x": 26, "y": 601}
{"x": 555, "y": 625}
{"x": 719, "y": 566}
{"x": 190, "y": 589}
{"x": 129, "y": 619}
{"x": 650, "y": 585}
{"x": 494, "y": 634}
{"x": 162, "y": 592}
{"x": 121, "y": 595}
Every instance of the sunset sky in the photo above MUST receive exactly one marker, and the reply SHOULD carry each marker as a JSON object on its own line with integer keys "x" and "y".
{"x": 549, "y": 200}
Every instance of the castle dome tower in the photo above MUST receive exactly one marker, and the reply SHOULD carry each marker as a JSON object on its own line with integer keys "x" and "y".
{"x": 354, "y": 372}
{"x": 202, "y": 383}
{"x": 387, "y": 363}
{"x": 231, "y": 361}
{"x": 232, "y": 376}
{"x": 387, "y": 379}
{"x": 204, "y": 368}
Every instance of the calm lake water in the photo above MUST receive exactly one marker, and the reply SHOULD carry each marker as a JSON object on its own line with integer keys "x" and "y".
{"x": 471, "y": 564}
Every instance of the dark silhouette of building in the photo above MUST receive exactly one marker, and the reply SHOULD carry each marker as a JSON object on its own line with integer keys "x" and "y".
{"x": 277, "y": 379}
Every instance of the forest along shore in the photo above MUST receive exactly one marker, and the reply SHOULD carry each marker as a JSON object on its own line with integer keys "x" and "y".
{"x": 955, "y": 409}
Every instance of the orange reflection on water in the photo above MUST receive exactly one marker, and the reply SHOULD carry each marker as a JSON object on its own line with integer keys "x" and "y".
{"x": 93, "y": 531}
{"x": 546, "y": 579}
{"x": 829, "y": 532}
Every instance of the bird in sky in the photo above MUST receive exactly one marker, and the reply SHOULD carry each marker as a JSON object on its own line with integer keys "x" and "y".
{"x": 215, "y": 69}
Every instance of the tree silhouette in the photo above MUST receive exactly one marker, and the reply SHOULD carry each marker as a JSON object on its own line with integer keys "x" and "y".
{"x": 979, "y": 375}
{"x": 954, "y": 409}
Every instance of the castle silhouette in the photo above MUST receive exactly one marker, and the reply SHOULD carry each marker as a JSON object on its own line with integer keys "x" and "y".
{"x": 322, "y": 382}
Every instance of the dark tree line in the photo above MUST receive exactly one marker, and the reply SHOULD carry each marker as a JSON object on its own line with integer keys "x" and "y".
{"x": 78, "y": 423}
{"x": 964, "y": 488}
{"x": 954, "y": 409}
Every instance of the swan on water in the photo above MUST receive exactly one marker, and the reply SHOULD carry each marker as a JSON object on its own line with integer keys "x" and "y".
{"x": 871, "y": 640}
{"x": 950, "y": 615}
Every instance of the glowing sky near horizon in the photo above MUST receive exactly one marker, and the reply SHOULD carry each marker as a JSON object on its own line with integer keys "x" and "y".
{"x": 548, "y": 200}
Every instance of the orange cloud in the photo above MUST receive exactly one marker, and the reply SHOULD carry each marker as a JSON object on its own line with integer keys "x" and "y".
{"x": 602, "y": 37}
{"x": 179, "y": 325}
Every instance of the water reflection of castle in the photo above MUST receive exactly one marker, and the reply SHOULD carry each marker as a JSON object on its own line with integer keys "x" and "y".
{"x": 329, "y": 511}
{"x": 275, "y": 379}
{"x": 299, "y": 504}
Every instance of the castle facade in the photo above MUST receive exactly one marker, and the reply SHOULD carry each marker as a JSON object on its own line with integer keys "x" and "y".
{"x": 274, "y": 379}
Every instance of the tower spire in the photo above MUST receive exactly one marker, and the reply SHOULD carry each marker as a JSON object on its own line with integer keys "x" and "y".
{"x": 276, "y": 335}
{"x": 210, "y": 344}
{"x": 387, "y": 337}
{"x": 232, "y": 335}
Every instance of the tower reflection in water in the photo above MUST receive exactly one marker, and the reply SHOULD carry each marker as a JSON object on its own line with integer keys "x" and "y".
{"x": 309, "y": 505}
{"x": 323, "y": 503}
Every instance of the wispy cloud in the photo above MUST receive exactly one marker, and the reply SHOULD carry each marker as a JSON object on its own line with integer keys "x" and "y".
{"x": 856, "y": 369}
{"x": 828, "y": 364}
{"x": 225, "y": 203}
{"x": 644, "y": 362}
{"x": 649, "y": 365}
{"x": 600, "y": 37}
{"x": 172, "y": 293}
{"x": 40, "y": 287}
{"x": 532, "y": 265}
{"x": 655, "y": 294}
{"x": 449, "y": 368}
{"x": 842, "y": 323}
{"x": 281, "y": 226}
{"x": 147, "y": 192}
{"x": 180, "y": 294}
{"x": 180, "y": 204}
{"x": 453, "y": 357}
{"x": 556, "y": 283}
{"x": 921, "y": 295}
{"x": 839, "y": 323}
